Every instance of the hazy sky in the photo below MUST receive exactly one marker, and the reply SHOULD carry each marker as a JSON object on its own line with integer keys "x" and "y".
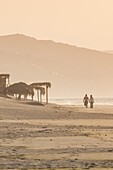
{"x": 86, "y": 23}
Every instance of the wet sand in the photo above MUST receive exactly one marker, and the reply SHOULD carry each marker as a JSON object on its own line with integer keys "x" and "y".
{"x": 55, "y": 137}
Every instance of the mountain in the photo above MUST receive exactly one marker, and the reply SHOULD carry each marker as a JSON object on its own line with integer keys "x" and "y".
{"x": 109, "y": 51}
{"x": 73, "y": 71}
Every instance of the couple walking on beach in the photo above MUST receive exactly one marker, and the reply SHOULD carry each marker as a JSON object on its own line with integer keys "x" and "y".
{"x": 87, "y": 100}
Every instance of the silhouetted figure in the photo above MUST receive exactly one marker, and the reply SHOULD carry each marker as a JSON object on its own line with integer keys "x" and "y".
{"x": 85, "y": 100}
{"x": 91, "y": 101}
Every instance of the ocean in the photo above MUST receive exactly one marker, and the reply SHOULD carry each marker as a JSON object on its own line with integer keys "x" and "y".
{"x": 79, "y": 101}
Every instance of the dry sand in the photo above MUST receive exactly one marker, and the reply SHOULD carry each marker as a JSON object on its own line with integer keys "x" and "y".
{"x": 55, "y": 137}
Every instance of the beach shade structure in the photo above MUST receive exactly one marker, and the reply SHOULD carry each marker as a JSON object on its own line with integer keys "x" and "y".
{"x": 47, "y": 85}
{"x": 40, "y": 92}
{"x": 20, "y": 89}
{"x": 4, "y": 82}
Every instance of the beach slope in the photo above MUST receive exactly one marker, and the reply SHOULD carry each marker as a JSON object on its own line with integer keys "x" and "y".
{"x": 56, "y": 137}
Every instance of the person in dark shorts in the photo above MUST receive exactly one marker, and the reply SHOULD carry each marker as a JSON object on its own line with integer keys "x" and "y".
{"x": 85, "y": 100}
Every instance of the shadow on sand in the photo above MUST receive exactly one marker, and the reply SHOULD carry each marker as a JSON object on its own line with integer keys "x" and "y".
{"x": 33, "y": 103}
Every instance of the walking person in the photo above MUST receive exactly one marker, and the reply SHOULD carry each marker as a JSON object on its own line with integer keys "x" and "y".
{"x": 91, "y": 101}
{"x": 85, "y": 100}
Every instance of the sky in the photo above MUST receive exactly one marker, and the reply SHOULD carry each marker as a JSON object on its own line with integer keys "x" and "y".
{"x": 84, "y": 23}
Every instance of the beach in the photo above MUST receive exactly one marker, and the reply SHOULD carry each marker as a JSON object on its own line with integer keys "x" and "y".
{"x": 55, "y": 137}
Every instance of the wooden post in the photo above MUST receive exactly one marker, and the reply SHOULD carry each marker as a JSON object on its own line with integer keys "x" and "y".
{"x": 38, "y": 95}
{"x": 46, "y": 94}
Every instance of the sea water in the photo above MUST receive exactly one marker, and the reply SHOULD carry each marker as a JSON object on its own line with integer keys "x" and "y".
{"x": 79, "y": 101}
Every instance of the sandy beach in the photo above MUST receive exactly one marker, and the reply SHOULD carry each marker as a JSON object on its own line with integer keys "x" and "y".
{"x": 55, "y": 137}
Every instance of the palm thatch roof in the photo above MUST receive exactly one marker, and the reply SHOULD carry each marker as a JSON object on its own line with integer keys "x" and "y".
{"x": 35, "y": 85}
{"x": 18, "y": 88}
